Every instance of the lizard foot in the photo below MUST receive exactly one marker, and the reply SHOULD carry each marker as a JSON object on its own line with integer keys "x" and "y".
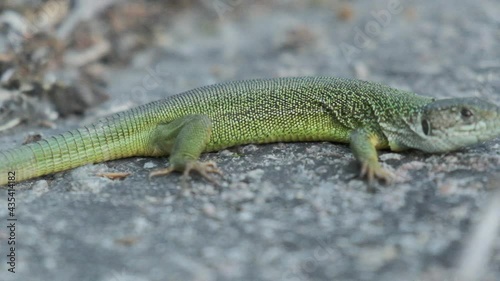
{"x": 376, "y": 171}
{"x": 203, "y": 168}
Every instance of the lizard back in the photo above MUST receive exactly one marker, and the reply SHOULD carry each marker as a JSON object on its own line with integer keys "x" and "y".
{"x": 290, "y": 109}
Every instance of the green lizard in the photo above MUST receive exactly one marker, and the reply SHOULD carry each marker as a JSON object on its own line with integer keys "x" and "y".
{"x": 367, "y": 115}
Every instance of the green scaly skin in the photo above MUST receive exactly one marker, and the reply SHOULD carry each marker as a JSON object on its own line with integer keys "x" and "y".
{"x": 367, "y": 115}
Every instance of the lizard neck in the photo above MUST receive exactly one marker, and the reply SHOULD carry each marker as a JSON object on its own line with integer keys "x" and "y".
{"x": 401, "y": 129}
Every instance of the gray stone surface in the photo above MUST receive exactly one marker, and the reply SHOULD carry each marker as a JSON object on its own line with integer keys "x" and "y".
{"x": 283, "y": 211}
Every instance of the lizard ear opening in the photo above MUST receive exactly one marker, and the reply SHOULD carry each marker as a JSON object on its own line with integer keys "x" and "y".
{"x": 426, "y": 127}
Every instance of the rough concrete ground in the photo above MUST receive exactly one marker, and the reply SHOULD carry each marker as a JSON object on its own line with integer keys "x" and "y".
{"x": 284, "y": 211}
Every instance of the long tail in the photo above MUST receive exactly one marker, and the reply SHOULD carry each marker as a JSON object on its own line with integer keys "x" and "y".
{"x": 107, "y": 139}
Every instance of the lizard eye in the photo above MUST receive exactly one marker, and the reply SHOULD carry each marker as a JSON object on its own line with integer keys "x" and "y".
{"x": 466, "y": 113}
{"x": 426, "y": 127}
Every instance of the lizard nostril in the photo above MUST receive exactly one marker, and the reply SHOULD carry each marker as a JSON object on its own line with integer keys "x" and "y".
{"x": 426, "y": 128}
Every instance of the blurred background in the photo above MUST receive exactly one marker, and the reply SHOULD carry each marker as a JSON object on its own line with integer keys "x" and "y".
{"x": 64, "y": 63}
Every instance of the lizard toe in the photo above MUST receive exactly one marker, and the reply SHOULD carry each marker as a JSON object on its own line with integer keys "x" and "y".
{"x": 161, "y": 172}
{"x": 204, "y": 169}
{"x": 372, "y": 172}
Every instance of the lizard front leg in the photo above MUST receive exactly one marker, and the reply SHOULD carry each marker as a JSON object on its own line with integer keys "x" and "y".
{"x": 363, "y": 145}
{"x": 185, "y": 139}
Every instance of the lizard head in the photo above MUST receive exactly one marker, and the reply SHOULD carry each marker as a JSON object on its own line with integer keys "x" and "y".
{"x": 449, "y": 124}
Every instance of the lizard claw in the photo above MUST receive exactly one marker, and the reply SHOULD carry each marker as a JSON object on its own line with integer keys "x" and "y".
{"x": 371, "y": 172}
{"x": 203, "y": 168}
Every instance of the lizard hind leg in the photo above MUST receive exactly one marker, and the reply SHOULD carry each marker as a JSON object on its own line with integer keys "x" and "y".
{"x": 185, "y": 139}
